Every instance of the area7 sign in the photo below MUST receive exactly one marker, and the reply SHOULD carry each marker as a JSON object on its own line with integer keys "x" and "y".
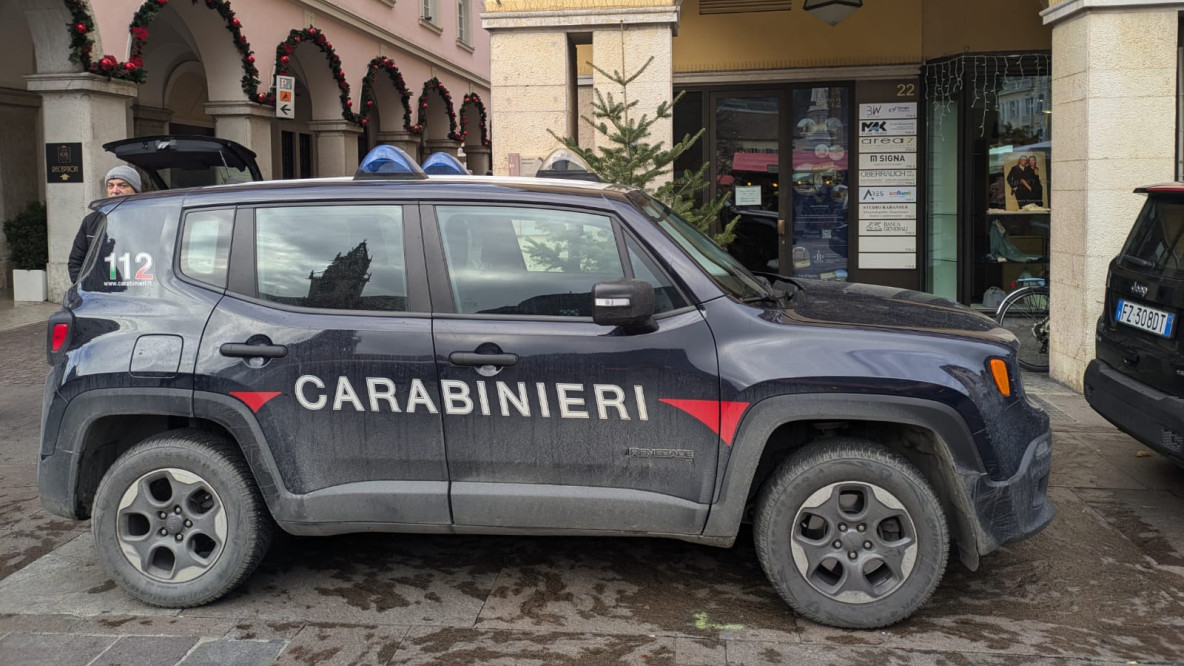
{"x": 285, "y": 96}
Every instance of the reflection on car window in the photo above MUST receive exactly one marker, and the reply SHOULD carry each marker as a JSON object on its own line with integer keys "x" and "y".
{"x": 666, "y": 295}
{"x": 205, "y": 245}
{"x": 1157, "y": 240}
{"x": 721, "y": 266}
{"x": 333, "y": 257}
{"x": 527, "y": 261}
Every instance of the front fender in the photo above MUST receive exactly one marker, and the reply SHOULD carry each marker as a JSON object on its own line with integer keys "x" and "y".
{"x": 960, "y": 464}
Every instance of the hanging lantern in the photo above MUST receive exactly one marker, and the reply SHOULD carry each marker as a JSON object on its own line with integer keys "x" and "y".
{"x": 832, "y": 11}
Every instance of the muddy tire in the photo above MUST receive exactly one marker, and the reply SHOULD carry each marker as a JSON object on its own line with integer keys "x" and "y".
{"x": 178, "y": 521}
{"x": 850, "y": 534}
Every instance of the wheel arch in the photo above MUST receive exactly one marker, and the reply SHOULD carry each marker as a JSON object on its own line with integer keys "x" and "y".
{"x": 929, "y": 434}
{"x": 99, "y": 426}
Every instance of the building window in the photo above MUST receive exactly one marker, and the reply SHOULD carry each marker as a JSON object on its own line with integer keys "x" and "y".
{"x": 427, "y": 10}
{"x": 462, "y": 21}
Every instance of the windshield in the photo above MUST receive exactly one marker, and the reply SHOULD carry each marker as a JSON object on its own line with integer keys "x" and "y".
{"x": 726, "y": 271}
{"x": 1156, "y": 243}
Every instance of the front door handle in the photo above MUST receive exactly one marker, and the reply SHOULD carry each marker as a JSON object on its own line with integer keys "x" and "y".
{"x": 473, "y": 359}
{"x": 242, "y": 350}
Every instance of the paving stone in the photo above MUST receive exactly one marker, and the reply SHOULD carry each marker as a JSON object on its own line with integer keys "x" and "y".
{"x": 1149, "y": 519}
{"x": 329, "y": 645}
{"x": 19, "y": 649}
{"x": 146, "y": 650}
{"x": 757, "y": 653}
{"x": 461, "y": 646}
{"x": 239, "y": 653}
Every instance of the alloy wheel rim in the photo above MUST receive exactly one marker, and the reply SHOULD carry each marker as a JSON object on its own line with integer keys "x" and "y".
{"x": 854, "y": 542}
{"x": 171, "y": 525}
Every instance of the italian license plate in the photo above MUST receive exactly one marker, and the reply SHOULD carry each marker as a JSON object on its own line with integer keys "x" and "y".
{"x": 1142, "y": 317}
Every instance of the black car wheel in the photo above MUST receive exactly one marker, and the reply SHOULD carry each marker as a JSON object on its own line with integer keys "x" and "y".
{"x": 850, "y": 534}
{"x": 178, "y": 521}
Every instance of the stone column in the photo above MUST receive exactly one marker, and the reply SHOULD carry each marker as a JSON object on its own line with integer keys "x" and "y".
{"x": 477, "y": 160}
{"x": 533, "y": 76}
{"x": 87, "y": 109}
{"x": 246, "y": 123}
{"x": 406, "y": 141}
{"x": 150, "y": 120}
{"x": 441, "y": 146}
{"x": 1114, "y": 116}
{"x": 337, "y": 147}
{"x": 625, "y": 48}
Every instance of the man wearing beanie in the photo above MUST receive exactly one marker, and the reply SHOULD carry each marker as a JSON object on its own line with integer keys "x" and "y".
{"x": 120, "y": 181}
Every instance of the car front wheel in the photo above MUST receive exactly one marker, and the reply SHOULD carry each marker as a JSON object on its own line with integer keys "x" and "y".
{"x": 850, "y": 534}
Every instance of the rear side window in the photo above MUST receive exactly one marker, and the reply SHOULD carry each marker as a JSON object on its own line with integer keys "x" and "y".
{"x": 1156, "y": 243}
{"x": 205, "y": 245}
{"x": 332, "y": 257}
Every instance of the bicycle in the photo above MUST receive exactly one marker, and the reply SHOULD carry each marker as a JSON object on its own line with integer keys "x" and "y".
{"x": 1025, "y": 312}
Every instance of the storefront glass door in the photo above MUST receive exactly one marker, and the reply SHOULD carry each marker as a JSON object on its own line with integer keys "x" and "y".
{"x": 748, "y": 166}
{"x": 821, "y": 132}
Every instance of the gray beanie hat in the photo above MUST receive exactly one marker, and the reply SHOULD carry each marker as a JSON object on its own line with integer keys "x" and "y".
{"x": 124, "y": 173}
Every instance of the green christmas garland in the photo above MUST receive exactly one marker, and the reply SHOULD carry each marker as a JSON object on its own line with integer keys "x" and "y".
{"x": 433, "y": 85}
{"x": 473, "y": 99}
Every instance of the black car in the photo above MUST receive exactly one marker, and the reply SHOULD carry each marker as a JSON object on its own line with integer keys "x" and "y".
{"x": 1137, "y": 379}
{"x": 517, "y": 356}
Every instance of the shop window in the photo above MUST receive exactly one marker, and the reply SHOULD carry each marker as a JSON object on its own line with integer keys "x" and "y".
{"x": 993, "y": 220}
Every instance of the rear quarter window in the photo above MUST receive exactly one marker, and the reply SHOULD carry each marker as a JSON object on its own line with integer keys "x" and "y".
{"x": 1156, "y": 242}
{"x": 205, "y": 245}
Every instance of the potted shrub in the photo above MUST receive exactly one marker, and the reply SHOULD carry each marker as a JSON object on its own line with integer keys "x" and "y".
{"x": 28, "y": 241}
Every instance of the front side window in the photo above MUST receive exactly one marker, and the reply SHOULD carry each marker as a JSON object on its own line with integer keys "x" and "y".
{"x": 427, "y": 10}
{"x": 205, "y": 245}
{"x": 1156, "y": 243}
{"x": 718, "y": 264}
{"x": 332, "y": 257}
{"x": 527, "y": 261}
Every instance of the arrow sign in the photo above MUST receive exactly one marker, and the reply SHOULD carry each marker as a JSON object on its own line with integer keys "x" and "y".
{"x": 285, "y": 87}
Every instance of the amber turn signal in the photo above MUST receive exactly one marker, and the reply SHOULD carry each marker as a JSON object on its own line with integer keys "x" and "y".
{"x": 1002, "y": 379}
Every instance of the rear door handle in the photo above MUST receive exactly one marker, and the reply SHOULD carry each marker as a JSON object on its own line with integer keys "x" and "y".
{"x": 473, "y": 359}
{"x": 242, "y": 350}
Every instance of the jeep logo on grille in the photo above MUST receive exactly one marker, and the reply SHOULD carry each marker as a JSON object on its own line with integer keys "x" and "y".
{"x": 1139, "y": 289}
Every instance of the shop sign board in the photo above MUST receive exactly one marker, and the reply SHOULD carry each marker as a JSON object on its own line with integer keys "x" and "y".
{"x": 888, "y": 176}
{"x": 886, "y": 110}
{"x": 888, "y": 161}
{"x": 887, "y": 195}
{"x": 887, "y": 128}
{"x": 63, "y": 162}
{"x": 887, "y": 144}
{"x": 888, "y": 211}
{"x": 874, "y": 227}
{"x": 888, "y": 244}
{"x": 881, "y": 260}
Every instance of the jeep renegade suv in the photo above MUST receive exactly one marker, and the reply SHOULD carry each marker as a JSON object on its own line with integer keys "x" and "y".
{"x": 1137, "y": 379}
{"x": 517, "y": 356}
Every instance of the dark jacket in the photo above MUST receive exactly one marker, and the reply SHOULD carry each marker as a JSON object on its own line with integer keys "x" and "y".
{"x": 86, "y": 236}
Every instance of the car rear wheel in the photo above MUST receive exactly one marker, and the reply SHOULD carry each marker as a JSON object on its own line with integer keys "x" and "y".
{"x": 178, "y": 521}
{"x": 850, "y": 534}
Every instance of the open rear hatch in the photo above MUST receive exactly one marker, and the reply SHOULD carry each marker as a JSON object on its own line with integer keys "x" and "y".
{"x": 175, "y": 161}
{"x": 1139, "y": 334}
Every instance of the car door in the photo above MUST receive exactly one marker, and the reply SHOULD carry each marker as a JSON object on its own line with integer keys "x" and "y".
{"x": 324, "y": 334}
{"x": 551, "y": 420}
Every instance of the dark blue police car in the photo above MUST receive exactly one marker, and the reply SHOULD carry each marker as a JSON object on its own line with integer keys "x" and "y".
{"x": 483, "y": 355}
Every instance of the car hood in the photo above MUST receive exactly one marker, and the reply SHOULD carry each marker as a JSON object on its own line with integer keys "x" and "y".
{"x": 890, "y": 308}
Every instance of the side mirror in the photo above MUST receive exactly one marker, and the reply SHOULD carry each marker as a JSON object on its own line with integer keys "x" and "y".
{"x": 628, "y": 304}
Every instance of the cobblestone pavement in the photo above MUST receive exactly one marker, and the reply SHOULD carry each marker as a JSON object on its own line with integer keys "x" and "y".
{"x": 1104, "y": 583}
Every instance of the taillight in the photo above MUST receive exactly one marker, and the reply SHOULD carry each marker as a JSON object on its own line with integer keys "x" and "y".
{"x": 58, "y": 334}
{"x": 60, "y": 331}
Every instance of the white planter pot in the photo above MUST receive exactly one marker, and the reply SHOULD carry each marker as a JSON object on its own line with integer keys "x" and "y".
{"x": 29, "y": 286}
